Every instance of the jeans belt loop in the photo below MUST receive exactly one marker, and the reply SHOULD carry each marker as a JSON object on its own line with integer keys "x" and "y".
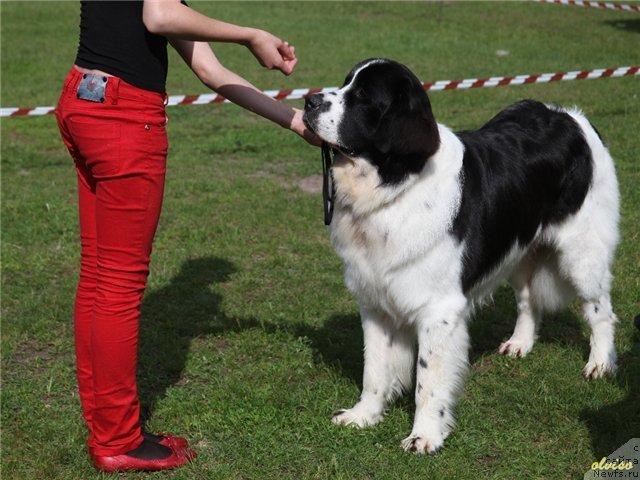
{"x": 73, "y": 84}
{"x": 115, "y": 88}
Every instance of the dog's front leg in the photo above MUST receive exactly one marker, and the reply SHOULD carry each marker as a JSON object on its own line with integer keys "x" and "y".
{"x": 388, "y": 358}
{"x": 443, "y": 349}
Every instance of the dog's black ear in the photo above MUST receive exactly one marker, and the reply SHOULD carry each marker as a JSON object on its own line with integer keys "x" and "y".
{"x": 404, "y": 142}
{"x": 411, "y": 95}
{"x": 408, "y": 128}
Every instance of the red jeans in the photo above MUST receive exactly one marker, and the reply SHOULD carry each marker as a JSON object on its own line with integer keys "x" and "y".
{"x": 119, "y": 148}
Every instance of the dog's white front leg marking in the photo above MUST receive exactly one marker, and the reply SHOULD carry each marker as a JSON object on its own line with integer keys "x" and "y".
{"x": 388, "y": 360}
{"x": 443, "y": 346}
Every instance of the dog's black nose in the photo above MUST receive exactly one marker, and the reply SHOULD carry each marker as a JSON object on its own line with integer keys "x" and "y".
{"x": 313, "y": 101}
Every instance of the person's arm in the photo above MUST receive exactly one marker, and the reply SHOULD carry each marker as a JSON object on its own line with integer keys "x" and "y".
{"x": 207, "y": 67}
{"x": 172, "y": 19}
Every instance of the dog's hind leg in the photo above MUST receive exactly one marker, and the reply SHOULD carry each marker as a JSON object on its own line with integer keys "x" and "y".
{"x": 388, "y": 365}
{"x": 443, "y": 350}
{"x": 539, "y": 286}
{"x": 586, "y": 245}
{"x": 529, "y": 315}
{"x": 588, "y": 269}
{"x": 585, "y": 258}
{"x": 602, "y": 358}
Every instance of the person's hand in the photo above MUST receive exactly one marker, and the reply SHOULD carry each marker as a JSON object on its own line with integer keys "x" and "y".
{"x": 298, "y": 126}
{"x": 272, "y": 52}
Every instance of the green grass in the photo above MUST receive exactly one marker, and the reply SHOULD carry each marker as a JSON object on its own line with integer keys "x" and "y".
{"x": 249, "y": 339}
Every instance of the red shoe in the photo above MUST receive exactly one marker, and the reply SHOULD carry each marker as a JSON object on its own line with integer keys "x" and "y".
{"x": 126, "y": 463}
{"x": 172, "y": 441}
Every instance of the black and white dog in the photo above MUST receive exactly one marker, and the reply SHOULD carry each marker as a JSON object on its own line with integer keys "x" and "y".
{"x": 429, "y": 222}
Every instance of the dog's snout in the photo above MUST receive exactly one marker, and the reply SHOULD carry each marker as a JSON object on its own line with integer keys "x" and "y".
{"x": 313, "y": 101}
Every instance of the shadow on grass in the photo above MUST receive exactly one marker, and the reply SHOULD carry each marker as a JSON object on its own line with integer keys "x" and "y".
{"x": 494, "y": 323}
{"x": 610, "y": 426}
{"x": 613, "y": 425}
{"x": 188, "y": 308}
{"x": 172, "y": 317}
{"x": 339, "y": 344}
{"x": 628, "y": 25}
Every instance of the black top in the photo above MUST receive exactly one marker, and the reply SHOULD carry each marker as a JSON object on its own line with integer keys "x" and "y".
{"x": 114, "y": 39}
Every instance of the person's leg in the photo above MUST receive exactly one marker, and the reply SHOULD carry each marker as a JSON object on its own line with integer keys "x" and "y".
{"x": 86, "y": 288}
{"x": 121, "y": 164}
{"x": 127, "y": 213}
{"x": 85, "y": 296}
{"x": 84, "y": 321}
{"x": 120, "y": 151}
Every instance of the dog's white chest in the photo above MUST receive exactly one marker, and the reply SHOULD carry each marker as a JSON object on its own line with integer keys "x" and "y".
{"x": 364, "y": 249}
{"x": 392, "y": 258}
{"x": 396, "y": 241}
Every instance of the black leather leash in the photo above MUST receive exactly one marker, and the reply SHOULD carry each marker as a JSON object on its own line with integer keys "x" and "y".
{"x": 328, "y": 189}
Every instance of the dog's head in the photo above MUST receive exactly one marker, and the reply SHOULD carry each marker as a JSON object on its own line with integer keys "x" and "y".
{"x": 381, "y": 114}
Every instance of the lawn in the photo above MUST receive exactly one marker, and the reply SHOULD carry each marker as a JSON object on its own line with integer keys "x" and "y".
{"x": 249, "y": 338}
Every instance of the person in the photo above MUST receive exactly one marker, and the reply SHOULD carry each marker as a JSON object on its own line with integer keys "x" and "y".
{"x": 111, "y": 115}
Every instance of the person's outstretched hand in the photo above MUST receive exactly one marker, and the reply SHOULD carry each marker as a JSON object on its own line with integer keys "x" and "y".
{"x": 272, "y": 52}
{"x": 298, "y": 126}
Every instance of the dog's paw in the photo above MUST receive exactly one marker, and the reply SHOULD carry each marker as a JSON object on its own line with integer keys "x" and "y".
{"x": 600, "y": 363}
{"x": 516, "y": 347}
{"x": 593, "y": 370}
{"x": 420, "y": 445}
{"x": 355, "y": 417}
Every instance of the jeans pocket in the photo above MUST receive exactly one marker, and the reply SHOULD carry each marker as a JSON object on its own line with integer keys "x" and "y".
{"x": 156, "y": 142}
{"x": 97, "y": 143}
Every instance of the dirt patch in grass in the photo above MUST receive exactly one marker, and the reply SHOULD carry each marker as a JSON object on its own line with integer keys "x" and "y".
{"x": 311, "y": 184}
{"x": 34, "y": 355}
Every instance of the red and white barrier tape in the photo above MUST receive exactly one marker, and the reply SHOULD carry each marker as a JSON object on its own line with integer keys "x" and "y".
{"x": 428, "y": 86}
{"x": 607, "y": 5}
{"x": 528, "y": 79}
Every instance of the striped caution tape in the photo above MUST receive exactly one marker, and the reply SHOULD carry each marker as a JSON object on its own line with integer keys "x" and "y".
{"x": 299, "y": 93}
{"x": 625, "y": 7}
